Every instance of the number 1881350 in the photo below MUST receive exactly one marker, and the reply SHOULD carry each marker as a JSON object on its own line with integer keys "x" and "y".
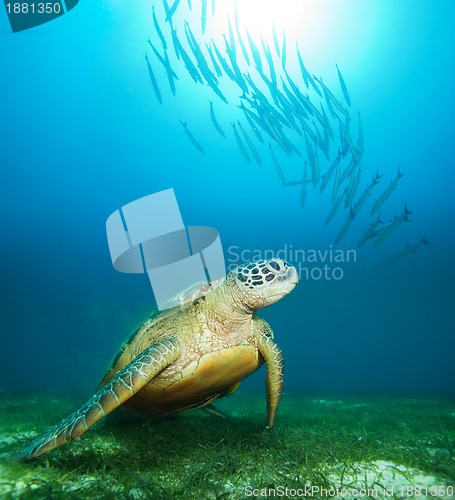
{"x": 33, "y": 8}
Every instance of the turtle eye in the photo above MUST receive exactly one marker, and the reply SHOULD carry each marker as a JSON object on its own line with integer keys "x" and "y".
{"x": 242, "y": 277}
{"x": 274, "y": 265}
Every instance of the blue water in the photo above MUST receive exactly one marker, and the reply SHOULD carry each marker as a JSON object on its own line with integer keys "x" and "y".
{"x": 82, "y": 134}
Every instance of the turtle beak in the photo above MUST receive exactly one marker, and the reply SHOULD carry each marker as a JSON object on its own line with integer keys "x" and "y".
{"x": 285, "y": 283}
{"x": 292, "y": 276}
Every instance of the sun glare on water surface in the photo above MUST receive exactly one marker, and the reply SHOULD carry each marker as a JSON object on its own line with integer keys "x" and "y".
{"x": 258, "y": 16}
{"x": 310, "y": 23}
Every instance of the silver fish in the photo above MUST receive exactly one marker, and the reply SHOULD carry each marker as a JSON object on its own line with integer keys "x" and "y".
{"x": 223, "y": 63}
{"x": 283, "y": 50}
{"x": 403, "y": 217}
{"x": 249, "y": 119}
{"x": 204, "y": 15}
{"x": 297, "y": 107}
{"x": 176, "y": 43}
{"x": 360, "y": 143}
{"x": 347, "y": 172}
{"x": 243, "y": 48}
{"x": 231, "y": 38}
{"x": 344, "y": 144}
{"x": 335, "y": 208}
{"x": 191, "y": 68}
{"x": 316, "y": 174}
{"x": 297, "y": 183}
{"x": 153, "y": 80}
{"x": 215, "y": 121}
{"x": 367, "y": 192}
{"x": 330, "y": 98}
{"x": 371, "y": 232}
{"x": 268, "y": 56}
{"x": 240, "y": 144}
{"x": 192, "y": 138}
{"x": 303, "y": 113}
{"x": 352, "y": 188}
{"x": 306, "y": 128}
{"x": 355, "y": 153}
{"x": 254, "y": 52}
{"x": 217, "y": 91}
{"x": 172, "y": 10}
{"x": 385, "y": 195}
{"x": 336, "y": 183}
{"x": 344, "y": 89}
{"x": 345, "y": 228}
{"x": 275, "y": 40}
{"x": 313, "y": 84}
{"x": 170, "y": 73}
{"x": 309, "y": 149}
{"x": 206, "y": 72}
{"x": 320, "y": 139}
{"x": 192, "y": 42}
{"x": 324, "y": 121}
{"x": 410, "y": 249}
{"x": 163, "y": 60}
{"x": 167, "y": 11}
{"x": 335, "y": 164}
{"x": 214, "y": 62}
{"x": 314, "y": 163}
{"x": 306, "y": 76}
{"x": 303, "y": 191}
{"x": 277, "y": 166}
{"x": 250, "y": 145}
{"x": 237, "y": 72}
{"x": 158, "y": 29}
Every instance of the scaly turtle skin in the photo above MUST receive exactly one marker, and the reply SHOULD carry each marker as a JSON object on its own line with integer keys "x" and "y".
{"x": 189, "y": 356}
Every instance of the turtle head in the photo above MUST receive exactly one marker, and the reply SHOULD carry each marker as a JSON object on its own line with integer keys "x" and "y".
{"x": 263, "y": 282}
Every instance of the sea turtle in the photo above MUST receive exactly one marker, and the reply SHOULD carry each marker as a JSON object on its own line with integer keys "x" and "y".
{"x": 187, "y": 357}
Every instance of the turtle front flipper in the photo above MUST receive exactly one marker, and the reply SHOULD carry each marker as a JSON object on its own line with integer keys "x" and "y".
{"x": 275, "y": 368}
{"x": 121, "y": 387}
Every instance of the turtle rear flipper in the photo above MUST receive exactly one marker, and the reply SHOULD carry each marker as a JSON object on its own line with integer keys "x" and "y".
{"x": 212, "y": 410}
{"x": 121, "y": 387}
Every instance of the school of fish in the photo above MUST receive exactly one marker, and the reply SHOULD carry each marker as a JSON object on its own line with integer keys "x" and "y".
{"x": 282, "y": 116}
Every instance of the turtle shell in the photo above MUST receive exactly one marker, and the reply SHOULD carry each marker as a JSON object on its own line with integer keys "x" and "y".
{"x": 208, "y": 367}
